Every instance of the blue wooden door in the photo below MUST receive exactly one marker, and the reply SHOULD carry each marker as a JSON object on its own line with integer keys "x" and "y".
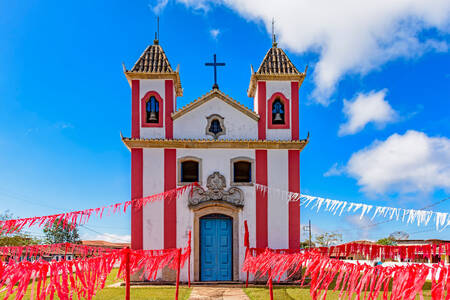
{"x": 215, "y": 248}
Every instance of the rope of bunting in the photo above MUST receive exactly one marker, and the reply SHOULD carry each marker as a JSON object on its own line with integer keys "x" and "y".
{"x": 384, "y": 251}
{"x": 350, "y": 279}
{"x": 81, "y": 277}
{"x": 82, "y": 216}
{"x": 442, "y": 219}
{"x": 30, "y": 251}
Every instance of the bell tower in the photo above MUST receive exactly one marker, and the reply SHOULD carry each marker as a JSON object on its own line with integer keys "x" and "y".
{"x": 274, "y": 87}
{"x": 154, "y": 88}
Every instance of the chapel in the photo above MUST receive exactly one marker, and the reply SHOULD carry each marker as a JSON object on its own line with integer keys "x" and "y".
{"x": 230, "y": 150}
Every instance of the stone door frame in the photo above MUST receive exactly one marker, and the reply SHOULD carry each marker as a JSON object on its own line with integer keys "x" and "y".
{"x": 223, "y": 208}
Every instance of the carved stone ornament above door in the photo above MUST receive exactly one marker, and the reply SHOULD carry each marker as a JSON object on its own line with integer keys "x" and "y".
{"x": 216, "y": 184}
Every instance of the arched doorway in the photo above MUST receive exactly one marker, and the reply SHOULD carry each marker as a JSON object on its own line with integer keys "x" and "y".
{"x": 216, "y": 248}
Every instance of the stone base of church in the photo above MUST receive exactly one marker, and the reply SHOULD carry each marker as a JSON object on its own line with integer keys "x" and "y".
{"x": 169, "y": 274}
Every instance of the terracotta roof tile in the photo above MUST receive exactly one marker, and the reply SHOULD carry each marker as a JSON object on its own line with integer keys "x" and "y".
{"x": 153, "y": 60}
{"x": 277, "y": 62}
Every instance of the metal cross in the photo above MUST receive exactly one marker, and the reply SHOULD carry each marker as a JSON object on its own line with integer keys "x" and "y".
{"x": 215, "y": 64}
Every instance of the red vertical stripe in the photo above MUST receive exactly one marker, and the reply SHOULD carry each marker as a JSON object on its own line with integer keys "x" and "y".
{"x": 294, "y": 206}
{"x": 136, "y": 171}
{"x": 262, "y": 110}
{"x": 136, "y": 192}
{"x": 135, "y": 126}
{"x": 295, "y": 110}
{"x": 261, "y": 200}
{"x": 169, "y": 101}
{"x": 170, "y": 203}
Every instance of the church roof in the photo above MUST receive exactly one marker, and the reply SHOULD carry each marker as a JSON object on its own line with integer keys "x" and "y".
{"x": 277, "y": 62}
{"x": 276, "y": 65}
{"x": 214, "y": 144}
{"x": 215, "y": 93}
{"x": 153, "y": 64}
{"x": 153, "y": 60}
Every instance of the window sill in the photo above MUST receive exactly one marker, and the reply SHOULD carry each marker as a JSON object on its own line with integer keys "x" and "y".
{"x": 187, "y": 183}
{"x": 241, "y": 183}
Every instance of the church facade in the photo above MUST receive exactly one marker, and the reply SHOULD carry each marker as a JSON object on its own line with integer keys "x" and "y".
{"x": 229, "y": 150}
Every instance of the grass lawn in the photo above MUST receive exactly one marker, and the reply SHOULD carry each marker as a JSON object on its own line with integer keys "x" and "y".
{"x": 138, "y": 293}
{"x": 290, "y": 293}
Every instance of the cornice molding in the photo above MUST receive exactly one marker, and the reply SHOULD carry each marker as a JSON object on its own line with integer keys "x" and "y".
{"x": 175, "y": 76}
{"x": 131, "y": 143}
{"x": 274, "y": 77}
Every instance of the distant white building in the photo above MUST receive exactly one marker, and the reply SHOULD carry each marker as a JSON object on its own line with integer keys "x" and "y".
{"x": 227, "y": 148}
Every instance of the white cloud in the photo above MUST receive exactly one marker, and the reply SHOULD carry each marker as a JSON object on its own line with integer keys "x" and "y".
{"x": 159, "y": 6}
{"x": 413, "y": 162}
{"x": 363, "y": 226}
{"x": 349, "y": 36}
{"x": 364, "y": 109}
{"x": 214, "y": 33}
{"x": 113, "y": 238}
{"x": 335, "y": 170}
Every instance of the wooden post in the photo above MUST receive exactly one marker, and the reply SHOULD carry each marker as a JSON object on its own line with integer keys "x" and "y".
{"x": 127, "y": 275}
{"x": 247, "y": 245}
{"x": 189, "y": 261}
{"x": 270, "y": 284}
{"x": 178, "y": 273}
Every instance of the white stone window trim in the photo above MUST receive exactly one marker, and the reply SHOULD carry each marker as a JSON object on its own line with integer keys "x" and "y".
{"x": 252, "y": 170}
{"x": 209, "y": 120}
{"x": 188, "y": 158}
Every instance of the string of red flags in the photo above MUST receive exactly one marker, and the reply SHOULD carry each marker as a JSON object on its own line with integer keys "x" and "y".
{"x": 84, "y": 276}
{"x": 410, "y": 216}
{"x": 81, "y": 217}
{"x": 351, "y": 279}
{"x": 385, "y": 252}
{"x": 36, "y": 251}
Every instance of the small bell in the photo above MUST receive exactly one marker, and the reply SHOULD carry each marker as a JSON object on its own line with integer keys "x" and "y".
{"x": 152, "y": 117}
{"x": 277, "y": 117}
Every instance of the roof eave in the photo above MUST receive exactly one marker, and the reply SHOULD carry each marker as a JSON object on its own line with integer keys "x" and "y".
{"x": 175, "y": 76}
{"x": 131, "y": 143}
{"x": 275, "y": 77}
{"x": 215, "y": 93}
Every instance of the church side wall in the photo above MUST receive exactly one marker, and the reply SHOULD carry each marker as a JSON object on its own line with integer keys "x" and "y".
{"x": 145, "y": 87}
{"x": 237, "y": 125}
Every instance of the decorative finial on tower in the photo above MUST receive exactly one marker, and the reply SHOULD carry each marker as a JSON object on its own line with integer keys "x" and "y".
{"x": 156, "y": 41}
{"x": 274, "y": 38}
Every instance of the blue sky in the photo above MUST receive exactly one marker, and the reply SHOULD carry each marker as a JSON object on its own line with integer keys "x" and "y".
{"x": 64, "y": 100}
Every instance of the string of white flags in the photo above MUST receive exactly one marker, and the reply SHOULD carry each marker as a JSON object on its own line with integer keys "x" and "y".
{"x": 410, "y": 216}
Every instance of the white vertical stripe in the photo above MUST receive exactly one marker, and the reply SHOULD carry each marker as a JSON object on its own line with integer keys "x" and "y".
{"x": 278, "y": 208}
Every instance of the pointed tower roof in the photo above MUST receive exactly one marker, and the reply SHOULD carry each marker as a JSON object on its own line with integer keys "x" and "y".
{"x": 153, "y": 60}
{"x": 276, "y": 65}
{"x": 153, "y": 64}
{"x": 277, "y": 62}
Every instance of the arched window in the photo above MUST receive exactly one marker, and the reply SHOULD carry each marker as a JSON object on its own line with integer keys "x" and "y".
{"x": 215, "y": 126}
{"x": 278, "y": 112}
{"x": 189, "y": 171}
{"x": 241, "y": 171}
{"x": 152, "y": 110}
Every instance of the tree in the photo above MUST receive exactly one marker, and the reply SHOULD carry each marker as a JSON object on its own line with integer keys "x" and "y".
{"x": 328, "y": 238}
{"x": 387, "y": 241}
{"x": 15, "y": 239}
{"x": 59, "y": 233}
{"x": 305, "y": 244}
